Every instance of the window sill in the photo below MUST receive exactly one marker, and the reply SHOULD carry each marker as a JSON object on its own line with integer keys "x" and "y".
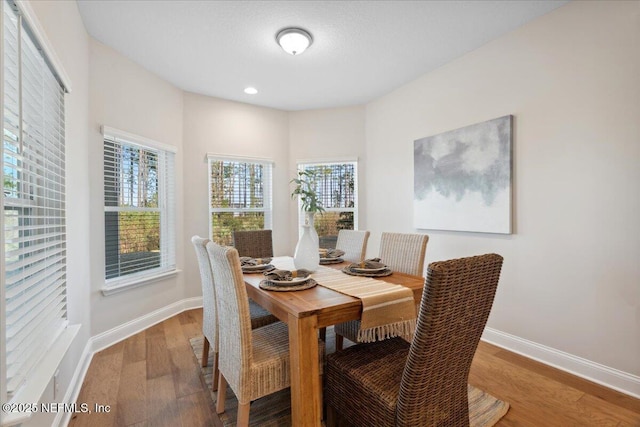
{"x": 33, "y": 389}
{"x": 137, "y": 282}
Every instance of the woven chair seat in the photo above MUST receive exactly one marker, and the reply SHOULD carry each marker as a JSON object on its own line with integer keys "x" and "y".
{"x": 372, "y": 372}
{"x": 271, "y": 364}
{"x": 259, "y": 316}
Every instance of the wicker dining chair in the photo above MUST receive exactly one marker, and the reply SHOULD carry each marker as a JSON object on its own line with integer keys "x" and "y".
{"x": 422, "y": 383}
{"x": 254, "y": 363}
{"x": 353, "y": 243}
{"x": 253, "y": 243}
{"x": 259, "y": 316}
{"x": 401, "y": 252}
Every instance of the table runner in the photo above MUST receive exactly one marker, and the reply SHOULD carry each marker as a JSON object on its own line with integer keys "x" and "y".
{"x": 388, "y": 310}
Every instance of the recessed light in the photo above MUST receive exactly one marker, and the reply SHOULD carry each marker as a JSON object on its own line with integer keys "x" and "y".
{"x": 250, "y": 90}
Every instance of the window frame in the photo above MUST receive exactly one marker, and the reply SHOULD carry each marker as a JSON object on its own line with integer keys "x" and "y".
{"x": 166, "y": 207}
{"x": 38, "y": 377}
{"x": 300, "y": 166}
{"x": 267, "y": 209}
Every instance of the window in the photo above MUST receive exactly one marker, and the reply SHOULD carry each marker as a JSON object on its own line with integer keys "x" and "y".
{"x": 337, "y": 186}
{"x": 33, "y": 247}
{"x": 139, "y": 209}
{"x": 239, "y": 196}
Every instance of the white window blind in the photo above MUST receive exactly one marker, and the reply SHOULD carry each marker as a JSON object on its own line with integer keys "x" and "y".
{"x": 239, "y": 196}
{"x": 336, "y": 183}
{"x": 33, "y": 203}
{"x": 139, "y": 208}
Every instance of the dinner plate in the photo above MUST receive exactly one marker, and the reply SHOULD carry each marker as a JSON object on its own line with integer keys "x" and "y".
{"x": 294, "y": 281}
{"x": 368, "y": 270}
{"x": 259, "y": 267}
{"x": 329, "y": 258}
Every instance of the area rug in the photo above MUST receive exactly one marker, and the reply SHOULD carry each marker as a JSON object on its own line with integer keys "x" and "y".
{"x": 275, "y": 411}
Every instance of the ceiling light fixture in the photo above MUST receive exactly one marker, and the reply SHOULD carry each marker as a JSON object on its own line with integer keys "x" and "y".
{"x": 250, "y": 90}
{"x": 294, "y": 41}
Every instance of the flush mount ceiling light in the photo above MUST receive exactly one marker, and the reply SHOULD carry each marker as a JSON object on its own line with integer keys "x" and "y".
{"x": 294, "y": 41}
{"x": 250, "y": 90}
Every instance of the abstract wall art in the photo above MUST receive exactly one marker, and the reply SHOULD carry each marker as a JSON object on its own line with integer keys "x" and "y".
{"x": 462, "y": 178}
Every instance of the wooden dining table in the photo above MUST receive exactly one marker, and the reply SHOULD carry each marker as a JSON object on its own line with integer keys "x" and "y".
{"x": 305, "y": 312}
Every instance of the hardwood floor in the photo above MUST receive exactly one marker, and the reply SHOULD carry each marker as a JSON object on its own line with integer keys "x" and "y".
{"x": 153, "y": 379}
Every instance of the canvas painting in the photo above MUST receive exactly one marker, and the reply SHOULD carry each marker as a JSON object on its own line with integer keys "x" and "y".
{"x": 462, "y": 178}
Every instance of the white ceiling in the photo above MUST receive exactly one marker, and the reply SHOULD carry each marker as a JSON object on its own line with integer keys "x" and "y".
{"x": 361, "y": 49}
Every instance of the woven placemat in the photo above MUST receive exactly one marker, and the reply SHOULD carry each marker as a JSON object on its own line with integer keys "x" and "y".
{"x": 381, "y": 273}
{"x": 327, "y": 261}
{"x": 266, "y": 268}
{"x": 269, "y": 286}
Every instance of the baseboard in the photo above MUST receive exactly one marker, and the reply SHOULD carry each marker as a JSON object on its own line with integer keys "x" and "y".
{"x": 113, "y": 336}
{"x": 119, "y": 333}
{"x": 73, "y": 391}
{"x": 609, "y": 377}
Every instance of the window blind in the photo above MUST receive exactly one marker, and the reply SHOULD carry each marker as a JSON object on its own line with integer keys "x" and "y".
{"x": 239, "y": 196}
{"x": 336, "y": 183}
{"x": 33, "y": 203}
{"x": 139, "y": 197}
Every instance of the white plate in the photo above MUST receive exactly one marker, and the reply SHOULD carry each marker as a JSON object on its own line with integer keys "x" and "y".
{"x": 329, "y": 258}
{"x": 294, "y": 281}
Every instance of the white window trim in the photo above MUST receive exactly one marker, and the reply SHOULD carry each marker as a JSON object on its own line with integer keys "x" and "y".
{"x": 133, "y": 139}
{"x": 248, "y": 159}
{"x": 42, "y": 375}
{"x": 136, "y": 280}
{"x": 327, "y": 160}
{"x": 331, "y": 161}
{"x": 3, "y": 326}
{"x": 267, "y": 209}
{"x": 40, "y": 35}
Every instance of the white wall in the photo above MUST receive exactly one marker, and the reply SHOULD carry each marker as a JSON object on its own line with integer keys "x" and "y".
{"x": 571, "y": 277}
{"x": 336, "y": 133}
{"x": 570, "y": 78}
{"x": 65, "y": 30}
{"x": 127, "y": 97}
{"x": 213, "y": 125}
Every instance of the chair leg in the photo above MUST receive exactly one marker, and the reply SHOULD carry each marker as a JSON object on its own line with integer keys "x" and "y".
{"x": 320, "y": 402}
{"x": 330, "y": 421}
{"x": 339, "y": 342}
{"x": 216, "y": 373}
{"x": 222, "y": 394}
{"x": 323, "y": 334}
{"x": 205, "y": 352}
{"x": 243, "y": 414}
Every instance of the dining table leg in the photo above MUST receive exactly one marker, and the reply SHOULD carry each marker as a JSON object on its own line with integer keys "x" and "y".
{"x": 305, "y": 371}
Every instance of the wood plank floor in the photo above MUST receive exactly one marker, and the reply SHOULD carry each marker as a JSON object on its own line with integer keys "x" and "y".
{"x": 153, "y": 379}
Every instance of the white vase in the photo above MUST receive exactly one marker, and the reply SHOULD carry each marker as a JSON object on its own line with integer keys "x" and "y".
{"x": 309, "y": 220}
{"x": 306, "y": 255}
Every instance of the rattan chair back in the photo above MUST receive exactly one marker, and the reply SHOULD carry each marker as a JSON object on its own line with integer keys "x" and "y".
{"x": 456, "y": 302}
{"x": 404, "y": 253}
{"x": 353, "y": 243}
{"x": 209, "y": 317}
{"x": 233, "y": 319}
{"x": 253, "y": 243}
